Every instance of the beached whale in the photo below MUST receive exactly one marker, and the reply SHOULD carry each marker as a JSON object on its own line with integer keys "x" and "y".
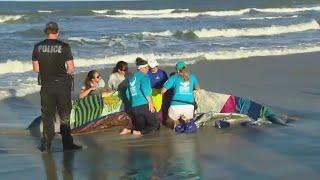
{"x": 97, "y": 113}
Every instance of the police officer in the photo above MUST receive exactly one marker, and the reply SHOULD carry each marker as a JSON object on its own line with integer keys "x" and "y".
{"x": 53, "y": 60}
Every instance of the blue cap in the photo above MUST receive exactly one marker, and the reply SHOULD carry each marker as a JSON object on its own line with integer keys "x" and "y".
{"x": 180, "y": 64}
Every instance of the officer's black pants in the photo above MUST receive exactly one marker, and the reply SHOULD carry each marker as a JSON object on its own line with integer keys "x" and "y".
{"x": 56, "y": 96}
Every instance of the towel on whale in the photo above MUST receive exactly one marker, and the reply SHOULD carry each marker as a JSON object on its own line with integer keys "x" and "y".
{"x": 223, "y": 103}
{"x": 96, "y": 113}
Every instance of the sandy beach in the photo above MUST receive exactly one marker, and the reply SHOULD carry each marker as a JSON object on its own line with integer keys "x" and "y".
{"x": 286, "y": 83}
{"x": 266, "y": 51}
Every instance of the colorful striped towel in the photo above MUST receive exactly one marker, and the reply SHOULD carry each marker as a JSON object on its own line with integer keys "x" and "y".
{"x": 86, "y": 109}
{"x": 224, "y": 103}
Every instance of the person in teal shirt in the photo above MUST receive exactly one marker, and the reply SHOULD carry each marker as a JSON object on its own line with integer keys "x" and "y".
{"x": 182, "y": 103}
{"x": 138, "y": 93}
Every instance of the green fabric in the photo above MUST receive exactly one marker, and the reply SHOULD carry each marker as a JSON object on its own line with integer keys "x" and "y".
{"x": 112, "y": 104}
{"x": 266, "y": 112}
{"x": 86, "y": 109}
{"x": 92, "y": 107}
{"x": 157, "y": 99}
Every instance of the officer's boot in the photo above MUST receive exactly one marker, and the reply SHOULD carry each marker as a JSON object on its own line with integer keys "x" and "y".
{"x": 67, "y": 140}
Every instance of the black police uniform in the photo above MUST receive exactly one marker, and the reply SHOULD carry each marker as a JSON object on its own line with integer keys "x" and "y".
{"x": 55, "y": 89}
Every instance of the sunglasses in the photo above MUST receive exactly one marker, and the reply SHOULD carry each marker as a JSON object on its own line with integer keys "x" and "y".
{"x": 125, "y": 70}
{"x": 97, "y": 77}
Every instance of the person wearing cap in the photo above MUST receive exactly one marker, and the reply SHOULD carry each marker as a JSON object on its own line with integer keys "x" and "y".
{"x": 139, "y": 95}
{"x": 53, "y": 61}
{"x": 182, "y": 103}
{"x": 157, "y": 77}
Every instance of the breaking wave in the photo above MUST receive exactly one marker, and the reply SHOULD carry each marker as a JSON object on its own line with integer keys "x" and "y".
{"x": 24, "y": 84}
{"x": 22, "y": 66}
{"x": 15, "y": 66}
{"x": 287, "y": 10}
{"x": 270, "y": 17}
{"x": 166, "y": 58}
{"x": 87, "y": 40}
{"x": 166, "y": 13}
{"x": 236, "y": 32}
{"x": 186, "y": 13}
{"x": 10, "y": 18}
{"x": 45, "y": 11}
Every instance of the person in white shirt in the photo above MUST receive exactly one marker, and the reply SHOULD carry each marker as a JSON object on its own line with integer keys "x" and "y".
{"x": 118, "y": 75}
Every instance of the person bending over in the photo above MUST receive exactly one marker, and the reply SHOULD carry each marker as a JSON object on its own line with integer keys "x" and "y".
{"x": 139, "y": 95}
{"x": 183, "y": 83}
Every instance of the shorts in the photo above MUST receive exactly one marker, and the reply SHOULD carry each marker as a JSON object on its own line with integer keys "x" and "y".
{"x": 184, "y": 112}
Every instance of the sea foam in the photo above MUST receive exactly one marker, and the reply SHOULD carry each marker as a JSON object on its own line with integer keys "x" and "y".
{"x": 237, "y": 32}
{"x": 22, "y": 66}
{"x": 10, "y": 18}
{"x": 186, "y": 13}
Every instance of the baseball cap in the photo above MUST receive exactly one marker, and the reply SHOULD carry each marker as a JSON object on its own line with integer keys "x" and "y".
{"x": 180, "y": 64}
{"x": 153, "y": 63}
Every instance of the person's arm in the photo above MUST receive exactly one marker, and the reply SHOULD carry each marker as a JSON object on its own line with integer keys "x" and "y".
{"x": 84, "y": 92}
{"x": 163, "y": 90}
{"x": 70, "y": 66}
{"x": 35, "y": 60}
{"x": 147, "y": 91}
{"x": 69, "y": 60}
{"x": 150, "y": 104}
{"x": 35, "y": 65}
{"x": 167, "y": 85}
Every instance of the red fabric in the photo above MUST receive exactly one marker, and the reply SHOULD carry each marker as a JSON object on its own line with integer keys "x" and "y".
{"x": 229, "y": 106}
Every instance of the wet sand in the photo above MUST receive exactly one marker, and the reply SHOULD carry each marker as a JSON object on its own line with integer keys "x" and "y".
{"x": 289, "y": 84}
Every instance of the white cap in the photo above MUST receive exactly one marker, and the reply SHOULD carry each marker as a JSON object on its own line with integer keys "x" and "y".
{"x": 153, "y": 63}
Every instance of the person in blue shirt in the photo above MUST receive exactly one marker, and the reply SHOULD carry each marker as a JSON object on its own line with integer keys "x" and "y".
{"x": 182, "y": 103}
{"x": 139, "y": 95}
{"x": 157, "y": 77}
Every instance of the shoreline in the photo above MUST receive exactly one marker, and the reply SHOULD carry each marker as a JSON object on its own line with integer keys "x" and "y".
{"x": 257, "y": 78}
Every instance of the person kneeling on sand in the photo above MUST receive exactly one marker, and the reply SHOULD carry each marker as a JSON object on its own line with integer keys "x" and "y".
{"x": 93, "y": 84}
{"x": 181, "y": 108}
{"x": 139, "y": 93}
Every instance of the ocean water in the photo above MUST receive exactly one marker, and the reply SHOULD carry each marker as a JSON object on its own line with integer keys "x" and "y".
{"x": 102, "y": 33}
{"x": 214, "y": 35}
